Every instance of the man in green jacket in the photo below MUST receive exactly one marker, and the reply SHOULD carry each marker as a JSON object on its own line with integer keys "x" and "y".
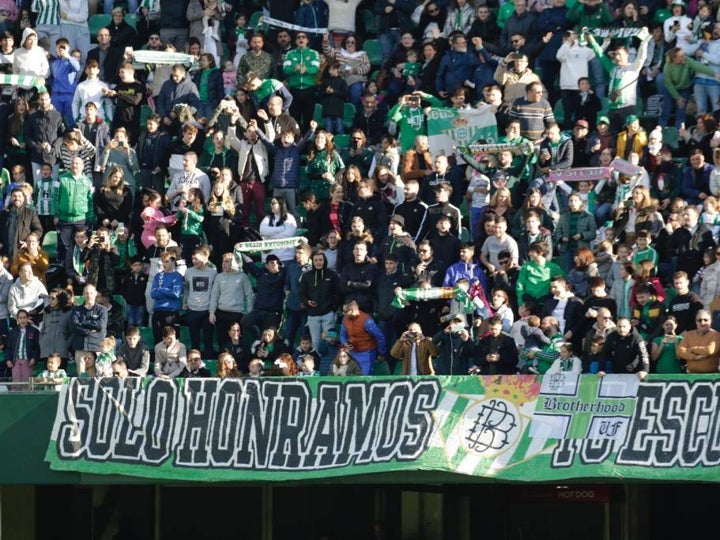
{"x": 679, "y": 76}
{"x": 301, "y": 67}
{"x": 535, "y": 274}
{"x": 73, "y": 204}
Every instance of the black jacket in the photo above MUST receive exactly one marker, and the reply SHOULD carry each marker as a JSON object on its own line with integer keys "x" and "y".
{"x": 321, "y": 287}
{"x": 27, "y": 222}
{"x": 357, "y": 282}
{"x": 386, "y": 284}
{"x": 111, "y": 64}
{"x": 507, "y": 365}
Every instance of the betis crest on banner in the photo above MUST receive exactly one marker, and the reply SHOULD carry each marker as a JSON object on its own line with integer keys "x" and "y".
{"x": 450, "y": 128}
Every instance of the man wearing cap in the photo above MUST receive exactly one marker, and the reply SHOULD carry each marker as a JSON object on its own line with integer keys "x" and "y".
{"x": 399, "y": 243}
{"x": 623, "y": 76}
{"x": 581, "y": 150}
{"x": 601, "y": 138}
{"x": 268, "y": 307}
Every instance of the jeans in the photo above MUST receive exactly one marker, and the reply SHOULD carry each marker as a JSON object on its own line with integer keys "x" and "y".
{"x": 258, "y": 320}
{"x": 317, "y": 324}
{"x": 108, "y": 6}
{"x": 290, "y": 196}
{"x": 669, "y": 104}
{"x": 66, "y": 232}
{"x": 597, "y": 75}
{"x": 475, "y": 216}
{"x": 334, "y": 124}
{"x": 135, "y": 315}
{"x": 356, "y": 92}
{"x": 389, "y": 40}
{"x": 366, "y": 360}
{"x": 603, "y": 213}
{"x": 705, "y": 93}
{"x": 294, "y": 320}
{"x": 205, "y": 110}
{"x": 198, "y": 321}
{"x": 568, "y": 99}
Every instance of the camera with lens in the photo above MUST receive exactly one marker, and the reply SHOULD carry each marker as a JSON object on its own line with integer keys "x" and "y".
{"x": 412, "y": 335}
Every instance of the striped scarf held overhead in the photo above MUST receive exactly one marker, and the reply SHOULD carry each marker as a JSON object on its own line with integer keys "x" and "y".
{"x": 25, "y": 81}
{"x": 473, "y": 300}
{"x": 163, "y": 57}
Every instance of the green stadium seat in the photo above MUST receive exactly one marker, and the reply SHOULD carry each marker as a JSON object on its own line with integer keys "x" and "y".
{"x": 145, "y": 111}
{"x": 212, "y": 366}
{"x": 146, "y": 334}
{"x": 49, "y": 244}
{"x": 132, "y": 20}
{"x": 671, "y": 136}
{"x": 96, "y": 22}
{"x": 348, "y": 115}
{"x": 369, "y": 22}
{"x": 317, "y": 115}
{"x": 559, "y": 112}
{"x": 342, "y": 141}
{"x": 374, "y": 51}
{"x": 185, "y": 336}
{"x": 121, "y": 300}
{"x": 465, "y": 235}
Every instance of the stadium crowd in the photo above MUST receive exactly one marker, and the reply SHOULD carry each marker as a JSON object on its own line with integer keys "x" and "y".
{"x": 139, "y": 157}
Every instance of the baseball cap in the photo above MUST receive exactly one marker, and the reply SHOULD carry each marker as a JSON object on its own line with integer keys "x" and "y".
{"x": 603, "y": 120}
{"x": 631, "y": 118}
{"x": 582, "y": 123}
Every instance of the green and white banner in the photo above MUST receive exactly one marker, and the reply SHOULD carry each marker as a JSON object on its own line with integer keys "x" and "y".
{"x": 517, "y": 428}
{"x": 451, "y": 128}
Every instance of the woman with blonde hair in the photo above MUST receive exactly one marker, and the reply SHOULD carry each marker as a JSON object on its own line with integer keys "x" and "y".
{"x": 643, "y": 214}
{"x": 113, "y": 201}
{"x": 501, "y": 204}
{"x": 219, "y": 220}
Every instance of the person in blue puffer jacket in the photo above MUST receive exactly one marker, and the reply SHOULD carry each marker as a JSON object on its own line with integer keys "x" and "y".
{"x": 167, "y": 289}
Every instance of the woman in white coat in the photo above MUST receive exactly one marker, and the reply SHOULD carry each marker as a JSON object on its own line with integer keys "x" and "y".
{"x": 279, "y": 224}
